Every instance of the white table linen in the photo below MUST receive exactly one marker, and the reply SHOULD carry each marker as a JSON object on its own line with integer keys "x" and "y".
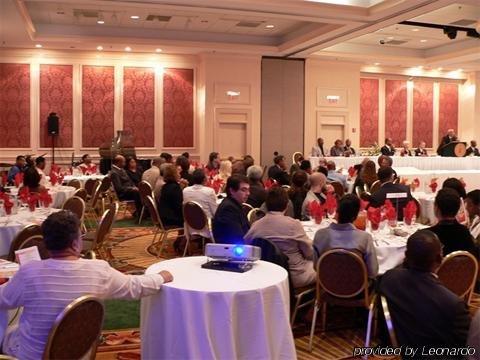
{"x": 390, "y": 248}
{"x": 208, "y": 314}
{"x": 10, "y": 225}
{"x": 82, "y": 178}
{"x": 59, "y": 194}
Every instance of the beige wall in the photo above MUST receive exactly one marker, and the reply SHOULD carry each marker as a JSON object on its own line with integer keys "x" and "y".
{"x": 331, "y": 78}
{"x": 469, "y": 108}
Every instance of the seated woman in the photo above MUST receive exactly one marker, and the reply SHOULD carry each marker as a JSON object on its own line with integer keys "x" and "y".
{"x": 318, "y": 182}
{"x": 288, "y": 234}
{"x": 133, "y": 172}
{"x": 31, "y": 180}
{"x": 87, "y": 166}
{"x": 297, "y": 192}
{"x": 367, "y": 176}
{"x": 225, "y": 170}
{"x": 455, "y": 184}
{"x": 472, "y": 205}
{"x": 171, "y": 198}
{"x": 184, "y": 164}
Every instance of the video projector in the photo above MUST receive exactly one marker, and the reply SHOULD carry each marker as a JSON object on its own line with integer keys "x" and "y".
{"x": 231, "y": 257}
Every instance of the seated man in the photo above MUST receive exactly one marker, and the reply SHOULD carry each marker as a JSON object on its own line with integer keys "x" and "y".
{"x": 337, "y": 149}
{"x": 317, "y": 192}
{"x": 123, "y": 185}
{"x": 348, "y": 150}
{"x": 317, "y": 149}
{"x": 288, "y": 234}
{"x": 258, "y": 194}
{"x": 17, "y": 168}
{"x": 230, "y": 223}
{"x": 406, "y": 149}
{"x": 87, "y": 166}
{"x": 421, "y": 151}
{"x": 278, "y": 171}
{"x": 388, "y": 148}
{"x": 201, "y": 194}
{"x": 40, "y": 164}
{"x": 44, "y": 288}
{"x": 333, "y": 175}
{"x": 472, "y": 150}
{"x": 344, "y": 235}
{"x": 453, "y": 235}
{"x": 402, "y": 193}
{"x": 153, "y": 177}
{"x": 424, "y": 312}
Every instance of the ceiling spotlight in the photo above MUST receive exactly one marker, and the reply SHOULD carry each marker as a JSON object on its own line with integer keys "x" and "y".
{"x": 423, "y": 41}
{"x": 100, "y": 19}
{"x": 38, "y": 46}
{"x": 459, "y": 70}
{"x": 415, "y": 29}
{"x": 450, "y": 32}
{"x": 99, "y": 47}
{"x": 439, "y": 69}
{"x": 376, "y": 64}
{"x": 158, "y": 50}
{"x": 390, "y": 37}
{"x": 269, "y": 26}
{"x": 128, "y": 48}
{"x": 134, "y": 17}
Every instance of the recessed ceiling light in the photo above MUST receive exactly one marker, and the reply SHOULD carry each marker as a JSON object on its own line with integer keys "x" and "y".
{"x": 134, "y": 17}
{"x": 101, "y": 22}
{"x": 99, "y": 47}
{"x": 415, "y": 29}
{"x": 269, "y": 26}
{"x": 390, "y": 37}
{"x": 423, "y": 41}
{"x": 439, "y": 69}
{"x": 420, "y": 67}
{"x": 158, "y": 50}
{"x": 376, "y": 64}
{"x": 459, "y": 70}
{"x": 38, "y": 46}
{"x": 128, "y": 48}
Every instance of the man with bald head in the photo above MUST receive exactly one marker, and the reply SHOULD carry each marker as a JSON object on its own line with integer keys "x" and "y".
{"x": 447, "y": 139}
{"x": 317, "y": 149}
{"x": 424, "y": 312}
{"x": 123, "y": 185}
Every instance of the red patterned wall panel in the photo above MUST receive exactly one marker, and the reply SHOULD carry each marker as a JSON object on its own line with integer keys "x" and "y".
{"x": 396, "y": 110}
{"x": 139, "y": 105}
{"x": 97, "y": 105}
{"x": 178, "y": 108}
{"x": 15, "y": 105}
{"x": 448, "y": 108}
{"x": 56, "y": 96}
{"x": 423, "y": 113}
{"x": 368, "y": 112}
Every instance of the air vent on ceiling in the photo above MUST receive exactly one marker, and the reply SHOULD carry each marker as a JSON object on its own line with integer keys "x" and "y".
{"x": 396, "y": 42}
{"x": 249, "y": 24}
{"x": 161, "y": 18}
{"x": 85, "y": 13}
{"x": 464, "y": 22}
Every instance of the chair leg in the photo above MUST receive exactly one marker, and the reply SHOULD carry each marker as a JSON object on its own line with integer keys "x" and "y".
{"x": 324, "y": 316}
{"x": 186, "y": 245}
{"x": 141, "y": 216}
{"x": 163, "y": 238}
{"x": 312, "y": 330}
{"x": 295, "y": 310}
{"x": 369, "y": 326}
{"x": 154, "y": 236}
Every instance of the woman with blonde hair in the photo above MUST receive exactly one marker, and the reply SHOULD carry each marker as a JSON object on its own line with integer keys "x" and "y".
{"x": 225, "y": 170}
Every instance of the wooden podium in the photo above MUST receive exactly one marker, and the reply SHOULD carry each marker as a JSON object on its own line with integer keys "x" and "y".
{"x": 453, "y": 149}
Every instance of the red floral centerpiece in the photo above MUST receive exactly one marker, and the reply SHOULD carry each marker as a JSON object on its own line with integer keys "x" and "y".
{"x": 374, "y": 215}
{"x": 409, "y": 212}
{"x": 316, "y": 211}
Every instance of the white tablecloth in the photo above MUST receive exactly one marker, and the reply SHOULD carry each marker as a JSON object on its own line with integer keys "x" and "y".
{"x": 208, "y": 314}
{"x": 82, "y": 178}
{"x": 422, "y": 163}
{"x": 10, "y": 225}
{"x": 59, "y": 194}
{"x": 390, "y": 248}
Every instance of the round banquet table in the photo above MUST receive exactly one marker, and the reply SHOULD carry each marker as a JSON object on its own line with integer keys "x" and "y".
{"x": 82, "y": 178}
{"x": 10, "y": 225}
{"x": 59, "y": 194}
{"x": 390, "y": 248}
{"x": 209, "y": 314}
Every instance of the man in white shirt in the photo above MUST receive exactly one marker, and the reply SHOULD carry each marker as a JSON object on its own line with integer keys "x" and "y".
{"x": 317, "y": 149}
{"x": 44, "y": 288}
{"x": 40, "y": 164}
{"x": 153, "y": 176}
{"x": 333, "y": 175}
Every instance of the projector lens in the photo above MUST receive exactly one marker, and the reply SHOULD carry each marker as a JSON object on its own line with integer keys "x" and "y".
{"x": 238, "y": 250}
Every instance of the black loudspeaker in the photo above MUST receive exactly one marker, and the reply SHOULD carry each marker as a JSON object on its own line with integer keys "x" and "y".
{"x": 53, "y": 124}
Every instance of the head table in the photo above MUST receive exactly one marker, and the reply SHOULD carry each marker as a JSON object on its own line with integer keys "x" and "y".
{"x": 208, "y": 314}
{"x": 390, "y": 248}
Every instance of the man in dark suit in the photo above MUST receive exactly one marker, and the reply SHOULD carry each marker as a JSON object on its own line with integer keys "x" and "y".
{"x": 472, "y": 150}
{"x": 420, "y": 150}
{"x": 447, "y": 139}
{"x": 388, "y": 148}
{"x": 278, "y": 171}
{"x": 123, "y": 185}
{"x": 230, "y": 223}
{"x": 424, "y": 312}
{"x": 453, "y": 235}
{"x": 398, "y": 194}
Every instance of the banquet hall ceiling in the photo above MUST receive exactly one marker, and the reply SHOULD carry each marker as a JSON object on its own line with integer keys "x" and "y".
{"x": 341, "y": 29}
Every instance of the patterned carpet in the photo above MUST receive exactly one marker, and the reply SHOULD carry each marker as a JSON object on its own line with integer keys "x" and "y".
{"x": 131, "y": 251}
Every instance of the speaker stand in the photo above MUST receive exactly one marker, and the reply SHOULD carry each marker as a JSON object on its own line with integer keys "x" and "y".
{"x": 53, "y": 148}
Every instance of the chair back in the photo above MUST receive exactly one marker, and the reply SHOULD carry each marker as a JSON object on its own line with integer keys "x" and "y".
{"x": 105, "y": 184}
{"x": 254, "y": 215}
{"x": 375, "y": 186}
{"x": 36, "y": 240}
{"x": 24, "y": 234}
{"x": 81, "y": 193}
{"x": 75, "y": 183}
{"x": 338, "y": 187}
{"x": 286, "y": 187}
{"x": 388, "y": 321}
{"x": 153, "y": 211}
{"x": 458, "y": 272}
{"x": 246, "y": 208}
{"x": 194, "y": 215}
{"x": 91, "y": 186}
{"x": 396, "y": 180}
{"x": 341, "y": 273}
{"x": 296, "y": 155}
{"x": 105, "y": 226}
{"x": 144, "y": 189}
{"x": 76, "y": 330}
{"x": 76, "y": 205}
